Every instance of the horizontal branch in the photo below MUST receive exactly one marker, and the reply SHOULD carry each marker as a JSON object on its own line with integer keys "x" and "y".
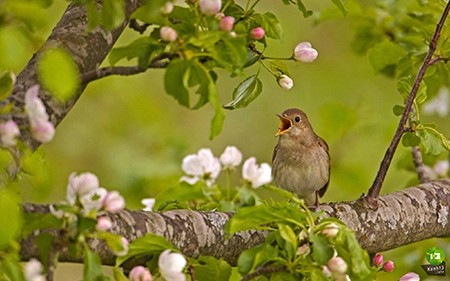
{"x": 401, "y": 218}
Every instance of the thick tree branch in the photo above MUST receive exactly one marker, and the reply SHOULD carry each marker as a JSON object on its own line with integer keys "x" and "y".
{"x": 88, "y": 49}
{"x": 403, "y": 217}
{"x": 374, "y": 190}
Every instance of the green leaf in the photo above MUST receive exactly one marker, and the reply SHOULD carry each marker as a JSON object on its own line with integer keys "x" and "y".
{"x": 306, "y": 13}
{"x": 398, "y": 110}
{"x": 251, "y": 258}
{"x": 33, "y": 222}
{"x": 404, "y": 86}
{"x": 10, "y": 217}
{"x": 6, "y": 84}
{"x": 280, "y": 67}
{"x": 385, "y": 54}
{"x": 410, "y": 139}
{"x": 322, "y": 251}
{"x": 12, "y": 269}
{"x": 58, "y": 73}
{"x": 114, "y": 241}
{"x": 271, "y": 25}
{"x": 258, "y": 216}
{"x": 246, "y": 92}
{"x": 230, "y": 53}
{"x": 141, "y": 48}
{"x": 175, "y": 81}
{"x": 211, "y": 268}
{"x": 284, "y": 276}
{"x": 340, "y": 5}
{"x": 433, "y": 142}
{"x": 184, "y": 191}
{"x": 85, "y": 224}
{"x": 44, "y": 242}
{"x": 288, "y": 234}
{"x": 150, "y": 244}
{"x": 150, "y": 12}
{"x": 118, "y": 275}
{"x": 92, "y": 266}
{"x": 112, "y": 13}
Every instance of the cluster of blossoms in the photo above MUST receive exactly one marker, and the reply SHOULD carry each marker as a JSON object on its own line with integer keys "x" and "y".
{"x": 203, "y": 166}
{"x": 303, "y": 52}
{"x": 42, "y": 129}
{"x": 170, "y": 266}
{"x": 88, "y": 199}
{"x": 378, "y": 262}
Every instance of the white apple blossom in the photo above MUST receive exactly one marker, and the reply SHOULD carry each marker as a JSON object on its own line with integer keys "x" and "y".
{"x": 201, "y": 166}
{"x": 8, "y": 133}
{"x": 171, "y": 266}
{"x": 94, "y": 200}
{"x": 304, "y": 52}
{"x": 337, "y": 265}
{"x": 33, "y": 271}
{"x": 257, "y": 175}
{"x": 231, "y": 157}
{"x": 331, "y": 230}
{"x": 285, "y": 82}
{"x": 439, "y": 104}
{"x": 81, "y": 185}
{"x": 148, "y": 203}
{"x": 441, "y": 168}
{"x": 210, "y": 7}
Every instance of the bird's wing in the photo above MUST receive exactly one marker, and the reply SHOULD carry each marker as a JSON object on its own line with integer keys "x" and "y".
{"x": 275, "y": 152}
{"x": 324, "y": 145}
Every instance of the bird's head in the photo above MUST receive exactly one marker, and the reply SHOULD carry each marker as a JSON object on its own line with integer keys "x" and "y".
{"x": 294, "y": 123}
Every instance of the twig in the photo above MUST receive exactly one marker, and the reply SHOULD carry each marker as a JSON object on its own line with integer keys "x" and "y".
{"x": 141, "y": 28}
{"x": 374, "y": 190}
{"x": 160, "y": 61}
{"x": 418, "y": 164}
{"x": 262, "y": 271}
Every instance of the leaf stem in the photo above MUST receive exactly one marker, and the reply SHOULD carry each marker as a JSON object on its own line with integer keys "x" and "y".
{"x": 374, "y": 190}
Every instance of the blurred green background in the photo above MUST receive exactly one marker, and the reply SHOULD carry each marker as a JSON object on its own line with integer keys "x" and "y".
{"x": 133, "y": 136}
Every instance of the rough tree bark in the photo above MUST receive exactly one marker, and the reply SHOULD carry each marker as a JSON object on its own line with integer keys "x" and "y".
{"x": 401, "y": 218}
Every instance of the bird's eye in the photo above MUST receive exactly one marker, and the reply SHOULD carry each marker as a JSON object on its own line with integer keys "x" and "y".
{"x": 297, "y": 119}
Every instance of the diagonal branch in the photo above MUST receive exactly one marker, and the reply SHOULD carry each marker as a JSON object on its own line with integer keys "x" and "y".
{"x": 374, "y": 190}
{"x": 403, "y": 217}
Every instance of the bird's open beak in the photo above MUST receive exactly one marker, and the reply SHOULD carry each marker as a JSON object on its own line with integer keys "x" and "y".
{"x": 285, "y": 125}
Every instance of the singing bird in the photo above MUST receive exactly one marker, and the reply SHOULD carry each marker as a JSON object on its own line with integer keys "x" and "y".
{"x": 300, "y": 162}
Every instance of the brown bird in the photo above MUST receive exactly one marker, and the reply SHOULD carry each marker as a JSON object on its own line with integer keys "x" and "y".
{"x": 301, "y": 162}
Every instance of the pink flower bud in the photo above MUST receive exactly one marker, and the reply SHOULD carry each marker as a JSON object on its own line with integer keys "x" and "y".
{"x": 285, "y": 82}
{"x": 304, "y": 250}
{"x": 331, "y": 230}
{"x": 410, "y": 276}
{"x": 140, "y": 273}
{"x": 378, "y": 260}
{"x": 167, "y": 8}
{"x": 103, "y": 224}
{"x": 210, "y": 7}
{"x": 337, "y": 265}
{"x": 124, "y": 249}
{"x": 33, "y": 104}
{"x": 168, "y": 34}
{"x": 388, "y": 266}
{"x": 257, "y": 33}
{"x": 305, "y": 53}
{"x": 42, "y": 130}
{"x": 113, "y": 202}
{"x": 227, "y": 23}
{"x": 8, "y": 133}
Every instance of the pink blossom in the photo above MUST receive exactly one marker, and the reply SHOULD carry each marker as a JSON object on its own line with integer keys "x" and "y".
{"x": 42, "y": 130}
{"x": 103, "y": 224}
{"x": 81, "y": 185}
{"x": 227, "y": 23}
{"x": 337, "y": 265}
{"x": 140, "y": 273}
{"x": 410, "y": 276}
{"x": 8, "y": 133}
{"x": 168, "y": 34}
{"x": 304, "y": 52}
{"x": 257, "y": 33}
{"x": 388, "y": 266}
{"x": 378, "y": 260}
{"x": 113, "y": 202}
{"x": 210, "y": 7}
{"x": 33, "y": 105}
